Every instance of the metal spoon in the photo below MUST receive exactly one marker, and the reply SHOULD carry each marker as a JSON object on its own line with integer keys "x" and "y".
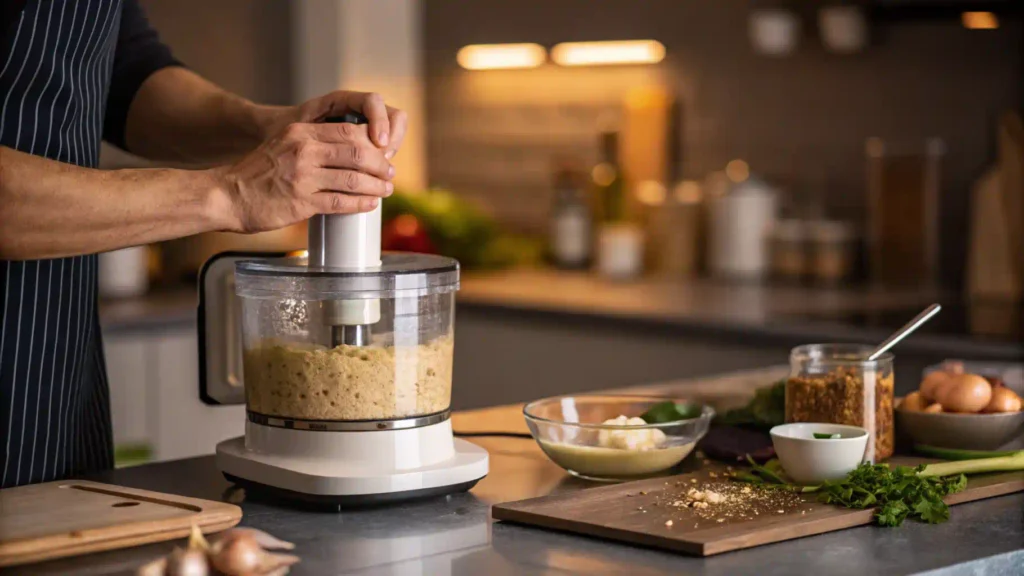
{"x": 905, "y": 331}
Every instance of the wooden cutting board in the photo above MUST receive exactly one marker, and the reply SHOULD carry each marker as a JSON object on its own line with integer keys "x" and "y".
{"x": 637, "y": 512}
{"x": 57, "y": 519}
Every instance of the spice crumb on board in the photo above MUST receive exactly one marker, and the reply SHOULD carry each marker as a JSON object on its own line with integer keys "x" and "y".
{"x": 721, "y": 500}
{"x": 668, "y": 523}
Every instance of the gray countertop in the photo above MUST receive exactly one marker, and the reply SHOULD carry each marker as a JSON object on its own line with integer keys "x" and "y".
{"x": 455, "y": 535}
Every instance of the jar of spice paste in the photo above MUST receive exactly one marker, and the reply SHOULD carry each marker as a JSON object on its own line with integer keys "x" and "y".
{"x": 837, "y": 384}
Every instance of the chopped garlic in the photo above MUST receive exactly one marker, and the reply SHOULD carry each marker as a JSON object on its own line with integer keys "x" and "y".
{"x": 640, "y": 440}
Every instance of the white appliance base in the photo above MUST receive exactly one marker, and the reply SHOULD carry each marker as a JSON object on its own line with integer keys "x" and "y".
{"x": 338, "y": 480}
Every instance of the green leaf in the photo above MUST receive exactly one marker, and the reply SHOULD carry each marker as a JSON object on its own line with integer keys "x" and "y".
{"x": 891, "y": 513}
{"x": 766, "y": 409}
{"x": 821, "y": 436}
{"x": 932, "y": 511}
{"x": 669, "y": 411}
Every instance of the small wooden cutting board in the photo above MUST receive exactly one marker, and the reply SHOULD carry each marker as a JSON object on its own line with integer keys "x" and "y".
{"x": 57, "y": 519}
{"x": 637, "y": 513}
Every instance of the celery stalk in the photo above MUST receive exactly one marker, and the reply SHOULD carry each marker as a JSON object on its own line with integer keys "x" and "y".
{"x": 1009, "y": 463}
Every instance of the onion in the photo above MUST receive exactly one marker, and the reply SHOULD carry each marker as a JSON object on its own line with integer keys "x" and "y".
{"x": 914, "y": 402}
{"x": 265, "y": 540}
{"x": 933, "y": 383}
{"x": 965, "y": 393}
{"x": 954, "y": 367}
{"x": 187, "y": 563}
{"x": 237, "y": 556}
{"x": 1004, "y": 400}
{"x": 277, "y": 563}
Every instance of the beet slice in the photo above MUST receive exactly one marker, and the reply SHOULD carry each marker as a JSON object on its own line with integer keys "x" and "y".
{"x": 732, "y": 444}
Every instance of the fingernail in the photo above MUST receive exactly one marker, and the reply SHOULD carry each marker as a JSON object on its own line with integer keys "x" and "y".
{"x": 373, "y": 203}
{"x": 390, "y": 188}
{"x": 389, "y": 154}
{"x": 391, "y": 171}
{"x": 383, "y": 138}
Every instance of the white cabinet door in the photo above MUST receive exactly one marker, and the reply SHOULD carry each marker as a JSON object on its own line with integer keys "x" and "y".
{"x": 185, "y": 425}
{"x": 130, "y": 377}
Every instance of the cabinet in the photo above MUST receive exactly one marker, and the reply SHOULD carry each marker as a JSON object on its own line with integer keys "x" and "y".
{"x": 154, "y": 394}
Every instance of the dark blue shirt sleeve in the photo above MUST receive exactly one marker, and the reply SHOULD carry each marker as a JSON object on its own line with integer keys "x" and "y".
{"x": 139, "y": 53}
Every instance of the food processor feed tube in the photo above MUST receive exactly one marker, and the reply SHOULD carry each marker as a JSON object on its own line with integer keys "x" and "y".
{"x": 347, "y": 241}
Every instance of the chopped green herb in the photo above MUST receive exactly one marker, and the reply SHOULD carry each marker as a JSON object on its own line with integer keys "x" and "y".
{"x": 821, "y": 436}
{"x": 895, "y": 493}
{"x": 670, "y": 412}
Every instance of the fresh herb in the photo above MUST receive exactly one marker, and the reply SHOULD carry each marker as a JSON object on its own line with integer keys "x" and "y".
{"x": 895, "y": 493}
{"x": 766, "y": 409}
{"x": 821, "y": 436}
{"x": 771, "y": 475}
{"x": 669, "y": 411}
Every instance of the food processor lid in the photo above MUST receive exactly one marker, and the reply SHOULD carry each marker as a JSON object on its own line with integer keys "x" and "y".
{"x": 399, "y": 274}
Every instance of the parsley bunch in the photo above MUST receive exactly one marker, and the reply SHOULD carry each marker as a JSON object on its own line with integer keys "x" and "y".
{"x": 895, "y": 493}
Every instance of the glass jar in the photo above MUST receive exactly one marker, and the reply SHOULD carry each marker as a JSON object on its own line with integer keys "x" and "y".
{"x": 834, "y": 251}
{"x": 836, "y": 384}
{"x": 295, "y": 366}
{"x": 789, "y": 250}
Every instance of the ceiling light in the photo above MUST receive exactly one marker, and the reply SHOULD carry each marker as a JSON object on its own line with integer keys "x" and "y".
{"x": 980, "y": 20}
{"x": 501, "y": 56}
{"x": 608, "y": 52}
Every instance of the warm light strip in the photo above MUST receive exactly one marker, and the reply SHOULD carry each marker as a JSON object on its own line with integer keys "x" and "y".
{"x": 608, "y": 52}
{"x": 501, "y": 56}
{"x": 980, "y": 20}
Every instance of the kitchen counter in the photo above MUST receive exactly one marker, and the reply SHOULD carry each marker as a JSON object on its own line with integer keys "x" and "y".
{"x": 760, "y": 311}
{"x": 751, "y": 311}
{"x": 454, "y": 535}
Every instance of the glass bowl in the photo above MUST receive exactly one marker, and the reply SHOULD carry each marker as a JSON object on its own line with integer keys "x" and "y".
{"x": 571, "y": 431}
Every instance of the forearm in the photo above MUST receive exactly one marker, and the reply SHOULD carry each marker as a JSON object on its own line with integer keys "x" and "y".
{"x": 49, "y": 209}
{"x": 177, "y": 115}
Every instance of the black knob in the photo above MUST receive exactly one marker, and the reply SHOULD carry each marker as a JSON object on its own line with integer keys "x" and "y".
{"x": 348, "y": 117}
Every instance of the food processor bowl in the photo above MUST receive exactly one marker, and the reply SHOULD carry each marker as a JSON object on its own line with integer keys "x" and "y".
{"x": 298, "y": 376}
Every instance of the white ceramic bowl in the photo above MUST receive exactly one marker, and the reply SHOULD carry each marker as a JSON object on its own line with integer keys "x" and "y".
{"x": 809, "y": 460}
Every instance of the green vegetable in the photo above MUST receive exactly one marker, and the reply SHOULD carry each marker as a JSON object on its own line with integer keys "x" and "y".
{"x": 766, "y": 409}
{"x": 459, "y": 230}
{"x": 820, "y": 436}
{"x": 670, "y": 412}
{"x": 1009, "y": 463}
{"x": 956, "y": 454}
{"x": 895, "y": 493}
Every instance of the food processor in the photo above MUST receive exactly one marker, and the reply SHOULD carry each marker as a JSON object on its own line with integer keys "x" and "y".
{"x": 343, "y": 358}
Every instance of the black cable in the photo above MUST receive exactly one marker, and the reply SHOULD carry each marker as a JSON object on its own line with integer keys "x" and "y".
{"x": 494, "y": 434}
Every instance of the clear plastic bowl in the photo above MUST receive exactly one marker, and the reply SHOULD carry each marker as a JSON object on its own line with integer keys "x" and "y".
{"x": 570, "y": 430}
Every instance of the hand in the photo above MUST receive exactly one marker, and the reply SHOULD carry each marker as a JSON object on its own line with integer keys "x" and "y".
{"x": 303, "y": 170}
{"x": 387, "y": 125}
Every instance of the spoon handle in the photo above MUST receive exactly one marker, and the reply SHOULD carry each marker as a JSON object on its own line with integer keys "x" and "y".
{"x": 905, "y": 331}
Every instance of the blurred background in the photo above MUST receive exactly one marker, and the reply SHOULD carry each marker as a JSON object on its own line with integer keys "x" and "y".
{"x": 637, "y": 191}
